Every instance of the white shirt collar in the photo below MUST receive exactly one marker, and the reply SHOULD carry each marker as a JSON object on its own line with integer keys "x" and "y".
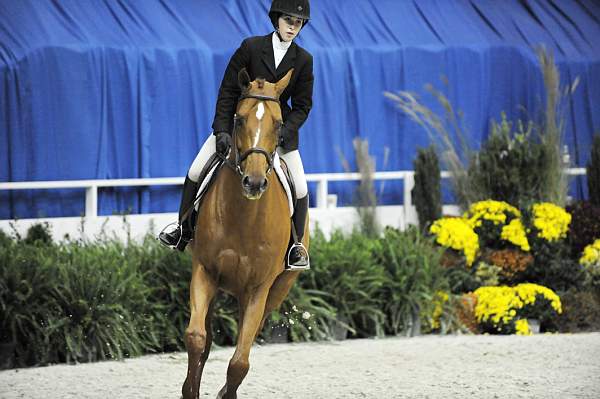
{"x": 278, "y": 44}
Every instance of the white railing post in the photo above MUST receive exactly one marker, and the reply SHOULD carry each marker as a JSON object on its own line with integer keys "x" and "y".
{"x": 91, "y": 202}
{"x": 409, "y": 184}
{"x": 322, "y": 191}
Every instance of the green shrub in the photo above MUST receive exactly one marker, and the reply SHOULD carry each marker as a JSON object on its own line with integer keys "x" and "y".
{"x": 5, "y": 239}
{"x": 167, "y": 274}
{"x": 344, "y": 268}
{"x": 27, "y": 280}
{"x": 100, "y": 304}
{"x": 581, "y": 312}
{"x": 584, "y": 227}
{"x": 426, "y": 193}
{"x": 38, "y": 232}
{"x": 413, "y": 277}
{"x": 552, "y": 267}
{"x": 593, "y": 172}
{"x": 509, "y": 165}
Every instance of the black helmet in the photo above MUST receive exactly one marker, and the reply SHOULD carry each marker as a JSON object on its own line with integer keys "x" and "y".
{"x": 295, "y": 8}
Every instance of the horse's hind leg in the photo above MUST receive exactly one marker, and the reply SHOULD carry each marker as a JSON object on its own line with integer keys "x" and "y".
{"x": 198, "y": 337}
{"x": 239, "y": 363}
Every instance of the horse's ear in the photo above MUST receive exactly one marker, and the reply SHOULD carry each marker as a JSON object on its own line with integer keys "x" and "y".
{"x": 244, "y": 79}
{"x": 282, "y": 84}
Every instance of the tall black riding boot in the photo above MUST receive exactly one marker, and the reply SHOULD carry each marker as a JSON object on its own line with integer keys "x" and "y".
{"x": 180, "y": 236}
{"x": 297, "y": 258}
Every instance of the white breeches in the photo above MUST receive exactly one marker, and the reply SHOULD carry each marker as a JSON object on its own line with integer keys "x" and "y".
{"x": 292, "y": 159}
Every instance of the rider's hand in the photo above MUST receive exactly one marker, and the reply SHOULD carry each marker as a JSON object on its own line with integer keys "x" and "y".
{"x": 223, "y": 142}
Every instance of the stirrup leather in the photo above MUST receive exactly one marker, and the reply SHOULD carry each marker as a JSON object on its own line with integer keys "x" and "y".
{"x": 289, "y": 266}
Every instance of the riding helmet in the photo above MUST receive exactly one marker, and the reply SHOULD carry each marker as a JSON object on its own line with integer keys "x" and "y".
{"x": 295, "y": 8}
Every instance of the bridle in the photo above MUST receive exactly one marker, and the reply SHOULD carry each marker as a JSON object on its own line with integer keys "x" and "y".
{"x": 236, "y": 165}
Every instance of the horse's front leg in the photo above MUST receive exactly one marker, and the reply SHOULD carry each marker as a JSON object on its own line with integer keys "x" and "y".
{"x": 198, "y": 336}
{"x": 253, "y": 309}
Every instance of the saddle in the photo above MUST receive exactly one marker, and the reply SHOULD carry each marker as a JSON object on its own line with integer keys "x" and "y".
{"x": 211, "y": 171}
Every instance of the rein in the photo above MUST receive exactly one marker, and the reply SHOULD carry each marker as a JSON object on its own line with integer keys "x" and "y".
{"x": 236, "y": 165}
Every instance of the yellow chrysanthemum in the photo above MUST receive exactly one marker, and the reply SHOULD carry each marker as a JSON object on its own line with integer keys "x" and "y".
{"x": 514, "y": 233}
{"x": 494, "y": 211}
{"x": 551, "y": 221}
{"x": 439, "y": 300}
{"x": 591, "y": 255}
{"x": 455, "y": 233}
{"x": 500, "y": 305}
{"x": 527, "y": 292}
{"x": 522, "y": 327}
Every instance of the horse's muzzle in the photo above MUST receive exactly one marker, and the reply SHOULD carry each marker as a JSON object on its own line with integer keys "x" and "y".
{"x": 254, "y": 186}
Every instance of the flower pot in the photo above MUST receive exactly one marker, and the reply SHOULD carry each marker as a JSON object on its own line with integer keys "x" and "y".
{"x": 534, "y": 325}
{"x": 339, "y": 328}
{"x": 414, "y": 329}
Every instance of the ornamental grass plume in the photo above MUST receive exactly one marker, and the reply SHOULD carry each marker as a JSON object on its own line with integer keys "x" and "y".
{"x": 551, "y": 221}
{"x": 455, "y": 233}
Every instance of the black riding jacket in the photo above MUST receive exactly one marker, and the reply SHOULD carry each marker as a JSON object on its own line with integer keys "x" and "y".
{"x": 256, "y": 55}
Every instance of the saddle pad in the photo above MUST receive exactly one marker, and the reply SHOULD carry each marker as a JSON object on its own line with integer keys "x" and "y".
{"x": 278, "y": 171}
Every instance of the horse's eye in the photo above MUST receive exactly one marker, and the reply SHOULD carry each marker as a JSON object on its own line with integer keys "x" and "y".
{"x": 278, "y": 125}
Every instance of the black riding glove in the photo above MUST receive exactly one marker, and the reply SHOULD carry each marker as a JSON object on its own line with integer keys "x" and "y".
{"x": 223, "y": 143}
{"x": 285, "y": 137}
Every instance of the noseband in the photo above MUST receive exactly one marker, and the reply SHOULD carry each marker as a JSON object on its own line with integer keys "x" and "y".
{"x": 239, "y": 158}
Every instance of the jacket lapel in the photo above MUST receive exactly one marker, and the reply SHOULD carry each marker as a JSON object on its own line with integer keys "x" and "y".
{"x": 287, "y": 62}
{"x": 268, "y": 58}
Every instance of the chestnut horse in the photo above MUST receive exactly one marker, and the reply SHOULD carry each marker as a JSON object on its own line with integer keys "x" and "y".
{"x": 242, "y": 234}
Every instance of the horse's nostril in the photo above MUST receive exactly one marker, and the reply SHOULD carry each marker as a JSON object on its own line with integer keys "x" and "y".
{"x": 264, "y": 185}
{"x": 246, "y": 181}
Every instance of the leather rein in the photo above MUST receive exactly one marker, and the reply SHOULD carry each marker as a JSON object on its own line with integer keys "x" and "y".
{"x": 236, "y": 165}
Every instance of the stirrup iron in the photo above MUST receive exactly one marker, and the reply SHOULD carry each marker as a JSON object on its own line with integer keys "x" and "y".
{"x": 289, "y": 266}
{"x": 177, "y": 227}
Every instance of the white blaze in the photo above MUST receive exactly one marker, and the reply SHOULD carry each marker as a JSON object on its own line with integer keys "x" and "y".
{"x": 260, "y": 112}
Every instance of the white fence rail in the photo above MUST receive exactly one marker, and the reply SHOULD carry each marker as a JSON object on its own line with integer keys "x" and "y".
{"x": 322, "y": 180}
{"x": 326, "y": 215}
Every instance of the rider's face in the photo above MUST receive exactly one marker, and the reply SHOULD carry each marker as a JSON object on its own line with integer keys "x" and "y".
{"x": 289, "y": 27}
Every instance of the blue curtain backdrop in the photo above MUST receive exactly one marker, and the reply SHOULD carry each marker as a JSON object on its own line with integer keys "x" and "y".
{"x": 95, "y": 89}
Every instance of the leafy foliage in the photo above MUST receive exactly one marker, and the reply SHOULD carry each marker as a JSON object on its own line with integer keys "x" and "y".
{"x": 426, "y": 193}
{"x": 414, "y": 275}
{"x": 585, "y": 226}
{"x": 509, "y": 166}
{"x": 344, "y": 268}
{"x": 593, "y": 172}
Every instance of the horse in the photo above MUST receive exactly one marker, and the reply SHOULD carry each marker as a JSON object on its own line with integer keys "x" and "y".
{"x": 241, "y": 237}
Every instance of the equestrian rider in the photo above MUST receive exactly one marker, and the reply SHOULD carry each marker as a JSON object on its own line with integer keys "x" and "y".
{"x": 269, "y": 57}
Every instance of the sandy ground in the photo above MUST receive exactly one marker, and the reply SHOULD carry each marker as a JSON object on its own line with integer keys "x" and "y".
{"x": 541, "y": 366}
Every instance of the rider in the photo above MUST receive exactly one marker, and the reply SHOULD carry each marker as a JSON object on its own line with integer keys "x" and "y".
{"x": 269, "y": 57}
